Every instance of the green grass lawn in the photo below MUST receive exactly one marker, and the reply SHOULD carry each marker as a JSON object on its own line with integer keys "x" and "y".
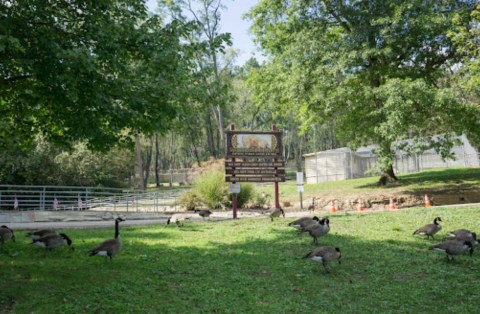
{"x": 249, "y": 266}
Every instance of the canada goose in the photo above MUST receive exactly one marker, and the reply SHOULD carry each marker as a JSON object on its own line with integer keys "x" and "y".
{"x": 311, "y": 207}
{"x": 111, "y": 247}
{"x": 40, "y": 233}
{"x": 451, "y": 248}
{"x": 324, "y": 254}
{"x": 318, "y": 230}
{"x": 472, "y": 237}
{"x": 52, "y": 241}
{"x": 204, "y": 213}
{"x": 178, "y": 218}
{"x": 276, "y": 213}
{"x": 463, "y": 233}
{"x": 6, "y": 234}
{"x": 304, "y": 221}
{"x": 430, "y": 229}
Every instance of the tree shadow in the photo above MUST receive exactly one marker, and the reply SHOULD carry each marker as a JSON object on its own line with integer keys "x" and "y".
{"x": 261, "y": 270}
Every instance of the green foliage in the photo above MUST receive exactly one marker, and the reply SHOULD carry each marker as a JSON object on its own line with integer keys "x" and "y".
{"x": 46, "y": 164}
{"x": 189, "y": 200}
{"x": 261, "y": 200}
{"x": 377, "y": 69}
{"x": 211, "y": 92}
{"x": 246, "y": 195}
{"x": 465, "y": 35}
{"x": 255, "y": 264}
{"x": 212, "y": 189}
{"x": 97, "y": 71}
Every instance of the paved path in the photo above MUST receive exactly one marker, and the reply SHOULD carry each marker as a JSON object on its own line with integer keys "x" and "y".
{"x": 140, "y": 222}
{"x": 127, "y": 222}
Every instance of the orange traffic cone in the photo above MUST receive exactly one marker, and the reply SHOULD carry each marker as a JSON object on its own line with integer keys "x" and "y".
{"x": 427, "y": 201}
{"x": 392, "y": 204}
{"x": 333, "y": 208}
{"x": 361, "y": 205}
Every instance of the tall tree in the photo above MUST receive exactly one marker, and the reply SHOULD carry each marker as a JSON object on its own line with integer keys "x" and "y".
{"x": 95, "y": 70}
{"x": 466, "y": 37}
{"x": 213, "y": 68}
{"x": 374, "y": 68}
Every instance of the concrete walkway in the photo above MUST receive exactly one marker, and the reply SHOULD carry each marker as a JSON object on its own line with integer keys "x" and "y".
{"x": 216, "y": 216}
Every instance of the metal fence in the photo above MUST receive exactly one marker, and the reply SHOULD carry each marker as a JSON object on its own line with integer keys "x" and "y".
{"x": 23, "y": 197}
{"x": 332, "y": 166}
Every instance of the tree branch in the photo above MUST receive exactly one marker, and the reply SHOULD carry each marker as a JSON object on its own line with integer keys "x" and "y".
{"x": 337, "y": 17}
{"x": 14, "y": 78}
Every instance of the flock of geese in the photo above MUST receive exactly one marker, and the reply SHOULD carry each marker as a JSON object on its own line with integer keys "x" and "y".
{"x": 316, "y": 228}
{"x": 50, "y": 239}
{"x": 459, "y": 241}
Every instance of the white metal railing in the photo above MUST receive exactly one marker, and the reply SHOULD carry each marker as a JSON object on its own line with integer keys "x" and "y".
{"x": 30, "y": 197}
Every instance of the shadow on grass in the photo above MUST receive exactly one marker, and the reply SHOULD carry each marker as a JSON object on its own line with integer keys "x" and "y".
{"x": 243, "y": 266}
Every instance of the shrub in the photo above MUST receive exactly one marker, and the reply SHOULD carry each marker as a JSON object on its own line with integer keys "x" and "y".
{"x": 189, "y": 200}
{"x": 261, "y": 200}
{"x": 212, "y": 189}
{"x": 246, "y": 195}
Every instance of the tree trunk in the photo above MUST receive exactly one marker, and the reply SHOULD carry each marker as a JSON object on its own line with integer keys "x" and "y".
{"x": 219, "y": 119}
{"x": 139, "y": 178}
{"x": 388, "y": 175}
{"x": 209, "y": 131}
{"x": 148, "y": 162}
{"x": 157, "y": 163}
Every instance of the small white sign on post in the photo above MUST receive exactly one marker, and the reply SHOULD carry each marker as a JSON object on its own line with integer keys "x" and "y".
{"x": 234, "y": 188}
{"x": 300, "y": 186}
{"x": 299, "y": 178}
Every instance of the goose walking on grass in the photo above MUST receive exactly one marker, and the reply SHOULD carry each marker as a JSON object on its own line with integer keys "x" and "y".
{"x": 34, "y": 235}
{"x": 324, "y": 255}
{"x": 318, "y": 230}
{"x": 430, "y": 229}
{"x": 6, "y": 234}
{"x": 451, "y": 248}
{"x": 304, "y": 222}
{"x": 53, "y": 241}
{"x": 277, "y": 213}
{"x": 178, "y": 218}
{"x": 111, "y": 247}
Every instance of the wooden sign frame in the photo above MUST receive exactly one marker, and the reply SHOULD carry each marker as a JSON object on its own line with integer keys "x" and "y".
{"x": 254, "y": 144}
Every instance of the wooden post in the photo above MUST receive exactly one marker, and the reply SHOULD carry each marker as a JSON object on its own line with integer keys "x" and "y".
{"x": 277, "y": 201}
{"x": 234, "y": 195}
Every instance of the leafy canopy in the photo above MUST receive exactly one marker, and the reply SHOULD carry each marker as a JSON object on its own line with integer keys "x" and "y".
{"x": 98, "y": 71}
{"x": 377, "y": 69}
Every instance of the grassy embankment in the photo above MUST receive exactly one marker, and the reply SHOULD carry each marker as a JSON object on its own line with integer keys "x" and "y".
{"x": 413, "y": 183}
